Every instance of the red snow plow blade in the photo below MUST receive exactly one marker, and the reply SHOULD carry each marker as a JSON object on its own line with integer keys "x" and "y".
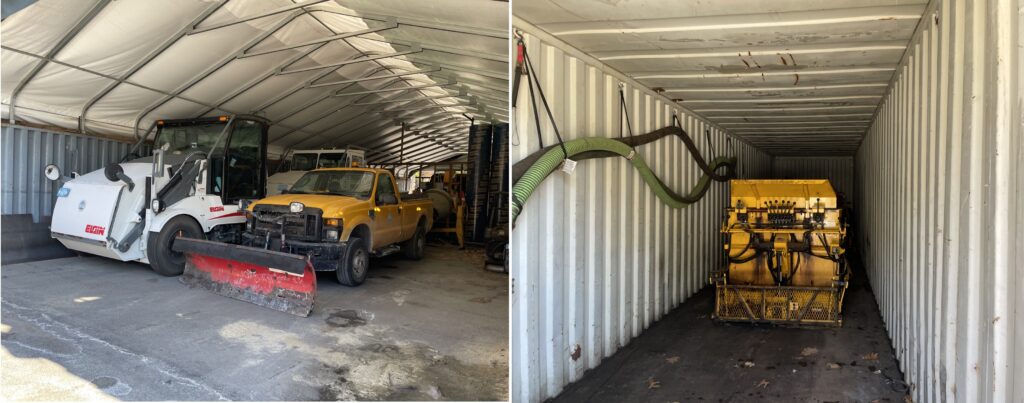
{"x": 275, "y": 280}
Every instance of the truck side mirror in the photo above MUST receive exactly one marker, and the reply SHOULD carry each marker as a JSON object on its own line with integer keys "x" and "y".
{"x": 51, "y": 172}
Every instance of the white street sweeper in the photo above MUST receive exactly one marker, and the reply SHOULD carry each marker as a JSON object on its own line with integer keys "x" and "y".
{"x": 193, "y": 185}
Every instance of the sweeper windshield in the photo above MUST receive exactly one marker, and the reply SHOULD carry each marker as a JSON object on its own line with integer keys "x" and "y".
{"x": 186, "y": 138}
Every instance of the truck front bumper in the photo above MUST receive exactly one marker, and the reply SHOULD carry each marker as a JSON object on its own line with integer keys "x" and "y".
{"x": 324, "y": 255}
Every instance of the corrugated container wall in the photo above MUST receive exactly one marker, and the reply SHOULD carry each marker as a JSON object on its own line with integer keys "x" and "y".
{"x": 838, "y": 170}
{"x": 939, "y": 190}
{"x": 596, "y": 257}
{"x": 25, "y": 151}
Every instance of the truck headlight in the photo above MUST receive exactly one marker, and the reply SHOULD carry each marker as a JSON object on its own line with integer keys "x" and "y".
{"x": 248, "y": 221}
{"x": 296, "y": 207}
{"x": 156, "y": 205}
{"x": 332, "y": 229}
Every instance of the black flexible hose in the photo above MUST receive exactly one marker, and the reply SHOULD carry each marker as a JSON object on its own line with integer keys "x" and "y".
{"x": 522, "y": 165}
{"x": 745, "y": 248}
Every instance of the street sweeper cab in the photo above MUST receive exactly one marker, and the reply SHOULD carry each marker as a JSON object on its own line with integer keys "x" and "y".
{"x": 194, "y": 184}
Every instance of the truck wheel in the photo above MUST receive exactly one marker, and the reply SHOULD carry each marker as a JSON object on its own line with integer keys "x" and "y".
{"x": 354, "y": 264}
{"x": 413, "y": 248}
{"x": 162, "y": 259}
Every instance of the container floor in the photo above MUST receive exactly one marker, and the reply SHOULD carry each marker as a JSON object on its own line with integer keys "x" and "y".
{"x": 687, "y": 357}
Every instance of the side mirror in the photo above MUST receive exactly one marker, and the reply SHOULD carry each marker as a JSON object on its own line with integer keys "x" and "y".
{"x": 113, "y": 172}
{"x": 51, "y": 172}
{"x": 158, "y": 163}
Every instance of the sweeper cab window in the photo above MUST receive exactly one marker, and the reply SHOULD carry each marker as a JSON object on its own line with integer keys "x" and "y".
{"x": 185, "y": 139}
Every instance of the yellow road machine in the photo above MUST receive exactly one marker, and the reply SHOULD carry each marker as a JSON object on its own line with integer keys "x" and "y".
{"x": 783, "y": 247}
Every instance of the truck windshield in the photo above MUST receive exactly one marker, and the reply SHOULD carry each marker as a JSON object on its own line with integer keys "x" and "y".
{"x": 358, "y": 184}
{"x": 303, "y": 162}
{"x": 332, "y": 160}
{"x": 183, "y": 139}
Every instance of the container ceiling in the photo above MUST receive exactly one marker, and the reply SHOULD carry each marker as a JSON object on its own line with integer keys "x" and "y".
{"x": 793, "y": 77}
{"x": 326, "y": 73}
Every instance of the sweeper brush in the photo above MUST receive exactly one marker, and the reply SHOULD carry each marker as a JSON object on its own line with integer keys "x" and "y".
{"x": 275, "y": 280}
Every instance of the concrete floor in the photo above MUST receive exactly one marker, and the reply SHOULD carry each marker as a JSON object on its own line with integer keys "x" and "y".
{"x": 91, "y": 328}
{"x": 687, "y": 357}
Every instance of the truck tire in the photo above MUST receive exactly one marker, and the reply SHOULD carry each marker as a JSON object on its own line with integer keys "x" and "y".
{"x": 413, "y": 248}
{"x": 354, "y": 264}
{"x": 162, "y": 259}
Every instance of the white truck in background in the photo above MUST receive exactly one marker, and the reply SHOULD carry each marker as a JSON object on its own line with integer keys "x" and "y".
{"x": 302, "y": 161}
{"x": 195, "y": 184}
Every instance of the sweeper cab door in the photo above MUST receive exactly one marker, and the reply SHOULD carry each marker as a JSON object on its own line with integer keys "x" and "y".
{"x": 238, "y": 169}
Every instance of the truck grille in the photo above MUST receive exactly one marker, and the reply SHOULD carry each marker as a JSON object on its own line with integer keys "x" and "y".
{"x": 304, "y": 226}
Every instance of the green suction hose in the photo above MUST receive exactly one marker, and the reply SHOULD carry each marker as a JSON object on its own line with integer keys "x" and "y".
{"x": 552, "y": 158}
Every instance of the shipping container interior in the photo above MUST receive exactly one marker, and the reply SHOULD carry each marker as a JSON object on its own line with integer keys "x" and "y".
{"x": 911, "y": 109}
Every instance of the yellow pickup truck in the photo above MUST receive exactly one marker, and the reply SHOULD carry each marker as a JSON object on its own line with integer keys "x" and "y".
{"x": 340, "y": 217}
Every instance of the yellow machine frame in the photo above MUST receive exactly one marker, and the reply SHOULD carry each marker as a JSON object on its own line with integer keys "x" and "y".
{"x": 784, "y": 260}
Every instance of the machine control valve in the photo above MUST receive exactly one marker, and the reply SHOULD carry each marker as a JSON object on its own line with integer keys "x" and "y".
{"x": 780, "y": 212}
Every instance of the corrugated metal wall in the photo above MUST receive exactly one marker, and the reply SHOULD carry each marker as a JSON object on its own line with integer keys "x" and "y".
{"x": 939, "y": 187}
{"x": 24, "y": 151}
{"x": 838, "y": 170}
{"x": 596, "y": 258}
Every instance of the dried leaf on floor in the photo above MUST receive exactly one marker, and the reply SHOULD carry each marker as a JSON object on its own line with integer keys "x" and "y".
{"x": 653, "y": 384}
{"x": 809, "y": 351}
{"x": 833, "y": 365}
{"x": 672, "y": 360}
{"x": 871, "y": 356}
{"x": 763, "y": 384}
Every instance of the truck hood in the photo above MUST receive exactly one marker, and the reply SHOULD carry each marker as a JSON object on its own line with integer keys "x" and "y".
{"x": 331, "y": 205}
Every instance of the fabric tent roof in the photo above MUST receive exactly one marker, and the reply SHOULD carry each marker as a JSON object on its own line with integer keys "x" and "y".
{"x": 326, "y": 73}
